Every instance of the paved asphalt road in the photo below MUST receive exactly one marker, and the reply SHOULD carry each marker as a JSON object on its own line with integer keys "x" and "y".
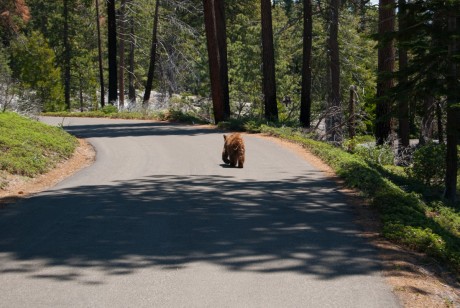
{"x": 158, "y": 221}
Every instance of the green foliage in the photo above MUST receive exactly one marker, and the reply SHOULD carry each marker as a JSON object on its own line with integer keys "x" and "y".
{"x": 382, "y": 155}
{"x": 429, "y": 164}
{"x": 33, "y": 63}
{"x": 109, "y": 109}
{"x": 250, "y": 125}
{"x": 29, "y": 147}
{"x": 244, "y": 54}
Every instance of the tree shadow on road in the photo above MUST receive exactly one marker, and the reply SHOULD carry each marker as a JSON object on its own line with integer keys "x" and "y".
{"x": 294, "y": 225}
{"x": 136, "y": 129}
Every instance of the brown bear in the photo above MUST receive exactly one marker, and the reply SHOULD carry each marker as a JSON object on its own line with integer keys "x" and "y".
{"x": 233, "y": 152}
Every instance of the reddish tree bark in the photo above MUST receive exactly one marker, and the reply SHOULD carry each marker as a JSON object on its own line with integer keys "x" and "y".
{"x": 403, "y": 99}
{"x": 215, "y": 38}
{"x": 386, "y": 60}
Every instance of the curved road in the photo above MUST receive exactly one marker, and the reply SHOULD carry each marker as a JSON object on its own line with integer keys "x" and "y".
{"x": 158, "y": 221}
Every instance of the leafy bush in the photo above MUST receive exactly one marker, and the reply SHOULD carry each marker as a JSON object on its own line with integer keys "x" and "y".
{"x": 382, "y": 154}
{"x": 429, "y": 165}
{"x": 108, "y": 109}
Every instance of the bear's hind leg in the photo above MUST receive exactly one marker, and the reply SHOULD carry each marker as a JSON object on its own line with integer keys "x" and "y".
{"x": 240, "y": 162}
{"x": 233, "y": 161}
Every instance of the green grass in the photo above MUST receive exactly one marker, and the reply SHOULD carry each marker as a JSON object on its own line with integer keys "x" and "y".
{"x": 407, "y": 219}
{"x": 29, "y": 147}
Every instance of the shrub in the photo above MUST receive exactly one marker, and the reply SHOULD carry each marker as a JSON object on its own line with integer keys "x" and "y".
{"x": 108, "y": 109}
{"x": 429, "y": 165}
{"x": 382, "y": 154}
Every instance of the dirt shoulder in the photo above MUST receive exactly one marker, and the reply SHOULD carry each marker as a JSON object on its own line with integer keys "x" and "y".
{"x": 20, "y": 186}
{"x": 417, "y": 280}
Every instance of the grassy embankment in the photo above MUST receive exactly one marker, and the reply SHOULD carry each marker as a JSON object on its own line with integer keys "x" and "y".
{"x": 29, "y": 148}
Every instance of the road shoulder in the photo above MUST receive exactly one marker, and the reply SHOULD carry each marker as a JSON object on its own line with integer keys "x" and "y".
{"x": 19, "y": 186}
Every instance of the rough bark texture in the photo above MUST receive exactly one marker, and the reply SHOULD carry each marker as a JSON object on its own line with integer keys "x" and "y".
{"x": 99, "y": 51}
{"x": 386, "y": 59}
{"x": 453, "y": 116}
{"x": 153, "y": 52}
{"x": 403, "y": 99}
{"x": 214, "y": 56}
{"x": 268, "y": 62}
{"x": 112, "y": 52}
{"x": 221, "y": 34}
{"x": 305, "y": 99}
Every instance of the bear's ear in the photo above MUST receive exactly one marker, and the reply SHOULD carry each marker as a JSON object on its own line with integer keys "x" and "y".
{"x": 225, "y": 137}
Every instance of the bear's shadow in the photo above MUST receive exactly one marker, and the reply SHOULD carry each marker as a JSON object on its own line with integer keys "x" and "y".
{"x": 228, "y": 166}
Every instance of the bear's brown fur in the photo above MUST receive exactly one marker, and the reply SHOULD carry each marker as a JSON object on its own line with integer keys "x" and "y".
{"x": 233, "y": 152}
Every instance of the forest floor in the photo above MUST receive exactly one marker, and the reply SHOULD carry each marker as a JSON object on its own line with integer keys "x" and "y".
{"x": 417, "y": 280}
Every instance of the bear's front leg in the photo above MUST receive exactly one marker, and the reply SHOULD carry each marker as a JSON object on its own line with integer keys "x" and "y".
{"x": 225, "y": 156}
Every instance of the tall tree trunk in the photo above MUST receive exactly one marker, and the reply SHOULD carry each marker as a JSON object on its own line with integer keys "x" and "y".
{"x": 333, "y": 121}
{"x": 214, "y": 59}
{"x": 453, "y": 115}
{"x": 67, "y": 56}
{"x": 121, "y": 55}
{"x": 403, "y": 99}
{"x": 352, "y": 113}
{"x": 112, "y": 44}
{"x": 153, "y": 52}
{"x": 99, "y": 52}
{"x": 362, "y": 14}
{"x": 305, "y": 96}
{"x": 131, "y": 88}
{"x": 221, "y": 33}
{"x": 386, "y": 59}
{"x": 268, "y": 63}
